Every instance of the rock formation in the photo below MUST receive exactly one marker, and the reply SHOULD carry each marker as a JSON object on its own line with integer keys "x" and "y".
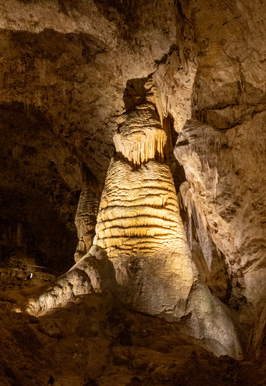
{"x": 85, "y": 219}
{"x": 190, "y": 71}
{"x": 139, "y": 225}
{"x": 140, "y": 252}
{"x": 217, "y": 204}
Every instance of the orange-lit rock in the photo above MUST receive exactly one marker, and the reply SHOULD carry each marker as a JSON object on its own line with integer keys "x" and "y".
{"x": 140, "y": 136}
{"x": 138, "y": 211}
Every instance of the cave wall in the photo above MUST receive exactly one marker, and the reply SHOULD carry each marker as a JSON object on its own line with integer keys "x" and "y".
{"x": 222, "y": 149}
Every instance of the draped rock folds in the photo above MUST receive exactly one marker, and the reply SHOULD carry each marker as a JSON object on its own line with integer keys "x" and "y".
{"x": 139, "y": 224}
{"x": 140, "y": 136}
{"x": 139, "y": 210}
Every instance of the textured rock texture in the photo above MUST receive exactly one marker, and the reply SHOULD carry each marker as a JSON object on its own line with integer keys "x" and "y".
{"x": 73, "y": 62}
{"x": 65, "y": 69}
{"x": 226, "y": 212}
{"x": 139, "y": 216}
{"x": 85, "y": 219}
{"x": 222, "y": 151}
{"x": 140, "y": 136}
{"x": 138, "y": 212}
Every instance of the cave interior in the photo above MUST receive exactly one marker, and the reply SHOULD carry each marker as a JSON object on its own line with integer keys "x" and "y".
{"x": 132, "y": 192}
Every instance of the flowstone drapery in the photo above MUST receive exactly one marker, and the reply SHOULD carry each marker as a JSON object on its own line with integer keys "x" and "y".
{"x": 140, "y": 254}
{"x": 139, "y": 212}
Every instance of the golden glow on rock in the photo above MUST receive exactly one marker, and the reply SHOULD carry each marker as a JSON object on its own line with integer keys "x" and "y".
{"x": 138, "y": 210}
{"x": 140, "y": 136}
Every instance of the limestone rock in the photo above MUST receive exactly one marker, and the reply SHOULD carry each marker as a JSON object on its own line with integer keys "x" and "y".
{"x": 140, "y": 136}
{"x": 224, "y": 195}
{"x": 174, "y": 82}
{"x": 139, "y": 225}
{"x": 138, "y": 210}
{"x": 64, "y": 72}
{"x": 140, "y": 253}
{"x": 83, "y": 278}
{"x": 210, "y": 320}
{"x": 96, "y": 341}
{"x": 85, "y": 220}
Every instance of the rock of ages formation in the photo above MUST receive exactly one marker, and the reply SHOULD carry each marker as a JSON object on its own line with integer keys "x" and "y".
{"x": 140, "y": 253}
{"x": 139, "y": 225}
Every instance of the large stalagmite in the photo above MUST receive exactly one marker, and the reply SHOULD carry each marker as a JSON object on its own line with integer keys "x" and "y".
{"x": 139, "y": 224}
{"x": 140, "y": 254}
{"x": 139, "y": 211}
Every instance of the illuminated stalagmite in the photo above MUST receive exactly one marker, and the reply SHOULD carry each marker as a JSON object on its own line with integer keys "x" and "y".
{"x": 140, "y": 254}
{"x": 139, "y": 225}
{"x": 139, "y": 211}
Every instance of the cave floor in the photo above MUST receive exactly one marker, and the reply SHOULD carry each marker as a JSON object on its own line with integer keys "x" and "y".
{"x": 95, "y": 341}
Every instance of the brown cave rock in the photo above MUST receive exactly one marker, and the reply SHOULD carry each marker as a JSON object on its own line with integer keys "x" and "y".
{"x": 132, "y": 192}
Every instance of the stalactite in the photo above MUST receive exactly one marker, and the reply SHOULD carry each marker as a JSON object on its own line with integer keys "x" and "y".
{"x": 140, "y": 137}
